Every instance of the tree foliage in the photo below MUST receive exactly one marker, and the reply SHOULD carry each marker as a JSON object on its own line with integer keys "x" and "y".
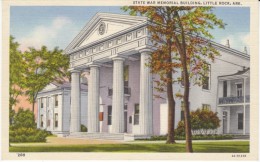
{"x": 181, "y": 36}
{"x": 16, "y": 72}
{"x": 43, "y": 66}
{"x": 23, "y": 128}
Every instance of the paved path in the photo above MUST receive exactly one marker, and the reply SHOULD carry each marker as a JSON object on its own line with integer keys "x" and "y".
{"x": 58, "y": 141}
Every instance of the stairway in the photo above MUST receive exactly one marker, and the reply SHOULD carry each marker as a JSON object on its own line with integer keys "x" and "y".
{"x": 105, "y": 136}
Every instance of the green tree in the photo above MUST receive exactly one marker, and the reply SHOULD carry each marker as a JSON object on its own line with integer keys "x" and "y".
{"x": 43, "y": 67}
{"x": 193, "y": 46}
{"x": 16, "y": 78}
{"x": 204, "y": 120}
{"x": 183, "y": 31}
{"x": 161, "y": 62}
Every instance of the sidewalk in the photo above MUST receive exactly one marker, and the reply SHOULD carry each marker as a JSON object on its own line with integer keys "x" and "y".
{"x": 57, "y": 141}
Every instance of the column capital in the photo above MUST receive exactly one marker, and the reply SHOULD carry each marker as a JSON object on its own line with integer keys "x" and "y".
{"x": 93, "y": 64}
{"x": 120, "y": 58}
{"x": 145, "y": 50}
{"x": 72, "y": 70}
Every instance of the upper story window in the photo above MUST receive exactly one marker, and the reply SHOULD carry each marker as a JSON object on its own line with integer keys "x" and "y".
{"x": 206, "y": 78}
{"x": 126, "y": 75}
{"x": 239, "y": 89}
{"x": 56, "y": 100}
{"x": 225, "y": 89}
{"x": 42, "y": 102}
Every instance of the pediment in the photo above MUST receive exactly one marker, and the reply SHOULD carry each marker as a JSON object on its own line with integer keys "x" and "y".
{"x": 50, "y": 86}
{"x": 103, "y": 25}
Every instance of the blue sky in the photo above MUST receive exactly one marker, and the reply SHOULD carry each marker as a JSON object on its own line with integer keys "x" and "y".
{"x": 57, "y": 26}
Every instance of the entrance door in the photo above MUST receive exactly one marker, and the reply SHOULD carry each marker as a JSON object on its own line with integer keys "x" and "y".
{"x": 224, "y": 122}
{"x": 125, "y": 118}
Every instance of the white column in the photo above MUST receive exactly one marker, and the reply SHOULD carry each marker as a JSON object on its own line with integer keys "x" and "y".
{"x": 93, "y": 99}
{"x": 146, "y": 100}
{"x": 38, "y": 113}
{"x": 118, "y": 96}
{"x": 228, "y": 119}
{"x": 75, "y": 102}
{"x": 244, "y": 107}
{"x": 220, "y": 115}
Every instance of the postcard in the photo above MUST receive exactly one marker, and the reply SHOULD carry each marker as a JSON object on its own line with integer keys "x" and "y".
{"x": 130, "y": 80}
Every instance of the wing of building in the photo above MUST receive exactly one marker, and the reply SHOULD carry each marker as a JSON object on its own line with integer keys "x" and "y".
{"x": 114, "y": 50}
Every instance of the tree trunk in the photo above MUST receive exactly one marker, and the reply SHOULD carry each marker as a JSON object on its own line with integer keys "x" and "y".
{"x": 171, "y": 111}
{"x": 171, "y": 101}
{"x": 186, "y": 107}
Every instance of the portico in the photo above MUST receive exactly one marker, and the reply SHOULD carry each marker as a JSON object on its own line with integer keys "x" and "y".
{"x": 107, "y": 42}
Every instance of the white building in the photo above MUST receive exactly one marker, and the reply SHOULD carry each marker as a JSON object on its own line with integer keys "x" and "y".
{"x": 54, "y": 108}
{"x": 114, "y": 48}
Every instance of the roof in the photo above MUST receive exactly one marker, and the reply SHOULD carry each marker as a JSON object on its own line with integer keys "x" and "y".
{"x": 245, "y": 71}
{"x": 68, "y": 85}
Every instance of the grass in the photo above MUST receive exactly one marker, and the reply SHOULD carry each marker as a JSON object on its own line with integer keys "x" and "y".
{"x": 202, "y": 147}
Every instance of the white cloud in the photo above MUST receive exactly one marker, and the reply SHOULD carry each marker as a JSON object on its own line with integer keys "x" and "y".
{"x": 44, "y": 34}
{"x": 238, "y": 41}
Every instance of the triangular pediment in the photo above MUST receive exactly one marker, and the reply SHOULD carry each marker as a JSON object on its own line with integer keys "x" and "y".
{"x": 49, "y": 87}
{"x": 103, "y": 25}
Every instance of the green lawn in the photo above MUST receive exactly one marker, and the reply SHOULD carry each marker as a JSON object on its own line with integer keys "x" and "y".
{"x": 229, "y": 147}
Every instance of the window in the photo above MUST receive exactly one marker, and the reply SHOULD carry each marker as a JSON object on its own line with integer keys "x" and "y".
{"x": 205, "y": 107}
{"x": 206, "y": 78}
{"x": 240, "y": 120}
{"x": 109, "y": 115}
{"x": 56, "y": 100}
{"x": 56, "y": 119}
{"x": 225, "y": 89}
{"x": 41, "y": 102}
{"x": 136, "y": 114}
{"x": 126, "y": 75}
{"x": 239, "y": 89}
{"x": 41, "y": 120}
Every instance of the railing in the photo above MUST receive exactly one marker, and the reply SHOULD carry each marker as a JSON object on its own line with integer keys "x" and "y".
{"x": 234, "y": 100}
{"x": 127, "y": 91}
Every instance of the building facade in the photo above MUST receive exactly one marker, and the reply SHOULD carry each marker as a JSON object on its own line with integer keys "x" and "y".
{"x": 114, "y": 49}
{"x": 54, "y": 108}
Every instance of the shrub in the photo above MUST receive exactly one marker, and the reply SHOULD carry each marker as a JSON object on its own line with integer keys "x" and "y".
{"x": 23, "y": 128}
{"x": 194, "y": 137}
{"x": 203, "y": 121}
{"x": 83, "y": 128}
